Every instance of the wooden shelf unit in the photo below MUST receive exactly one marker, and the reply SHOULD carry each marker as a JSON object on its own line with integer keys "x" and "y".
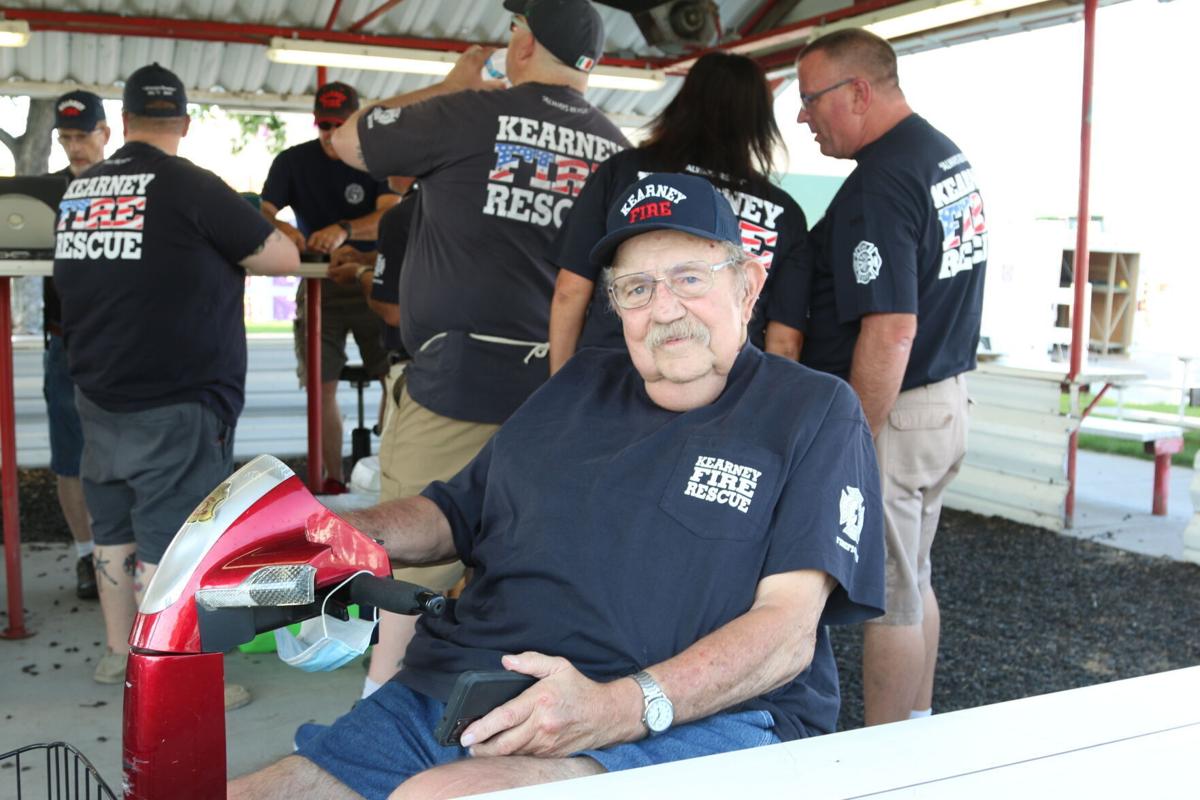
{"x": 1113, "y": 275}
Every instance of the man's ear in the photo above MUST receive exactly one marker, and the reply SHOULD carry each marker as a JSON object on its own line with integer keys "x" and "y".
{"x": 756, "y": 278}
{"x": 864, "y": 95}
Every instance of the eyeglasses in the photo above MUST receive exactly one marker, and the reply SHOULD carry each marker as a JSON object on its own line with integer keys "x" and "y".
{"x": 807, "y": 99}
{"x": 518, "y": 21}
{"x": 329, "y": 126}
{"x": 688, "y": 280}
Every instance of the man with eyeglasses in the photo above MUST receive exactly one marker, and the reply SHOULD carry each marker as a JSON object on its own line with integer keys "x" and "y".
{"x": 499, "y": 168}
{"x": 82, "y": 132}
{"x": 896, "y": 302}
{"x": 334, "y": 204}
{"x": 661, "y": 538}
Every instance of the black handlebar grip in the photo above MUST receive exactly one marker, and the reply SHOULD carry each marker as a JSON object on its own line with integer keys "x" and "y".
{"x": 399, "y": 597}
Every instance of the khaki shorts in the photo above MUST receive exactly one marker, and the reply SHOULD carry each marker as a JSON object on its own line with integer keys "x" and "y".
{"x": 920, "y": 450}
{"x": 417, "y": 448}
{"x": 344, "y": 311}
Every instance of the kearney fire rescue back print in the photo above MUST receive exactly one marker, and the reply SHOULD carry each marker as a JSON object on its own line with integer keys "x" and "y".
{"x": 103, "y": 217}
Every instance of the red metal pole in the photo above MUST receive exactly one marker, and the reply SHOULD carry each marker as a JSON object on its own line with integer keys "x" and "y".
{"x": 383, "y": 8}
{"x": 312, "y": 343}
{"x": 1078, "y": 342}
{"x": 8, "y": 471}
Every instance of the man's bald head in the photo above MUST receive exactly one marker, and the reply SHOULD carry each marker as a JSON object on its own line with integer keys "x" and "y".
{"x": 861, "y": 53}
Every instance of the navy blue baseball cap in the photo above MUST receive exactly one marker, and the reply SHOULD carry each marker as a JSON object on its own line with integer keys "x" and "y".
{"x": 78, "y": 111}
{"x": 155, "y": 91}
{"x": 570, "y": 29}
{"x": 669, "y": 201}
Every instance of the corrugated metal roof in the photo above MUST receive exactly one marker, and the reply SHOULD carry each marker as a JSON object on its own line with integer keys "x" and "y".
{"x": 103, "y": 61}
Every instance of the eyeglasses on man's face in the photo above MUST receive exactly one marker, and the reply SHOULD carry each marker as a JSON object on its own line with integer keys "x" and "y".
{"x": 325, "y": 125}
{"x": 517, "y": 21}
{"x": 687, "y": 280}
{"x": 807, "y": 100}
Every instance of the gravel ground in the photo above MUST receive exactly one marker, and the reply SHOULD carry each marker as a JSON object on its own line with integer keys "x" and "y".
{"x": 1024, "y": 611}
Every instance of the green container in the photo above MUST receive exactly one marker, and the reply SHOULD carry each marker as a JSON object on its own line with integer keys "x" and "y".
{"x": 265, "y": 642}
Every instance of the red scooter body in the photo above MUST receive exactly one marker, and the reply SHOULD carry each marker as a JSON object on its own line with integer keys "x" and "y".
{"x": 174, "y": 716}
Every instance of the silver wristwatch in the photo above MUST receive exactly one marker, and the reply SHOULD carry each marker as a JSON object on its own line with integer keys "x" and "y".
{"x": 657, "y": 711}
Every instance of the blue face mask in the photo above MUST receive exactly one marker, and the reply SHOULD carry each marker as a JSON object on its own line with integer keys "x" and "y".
{"x": 324, "y": 643}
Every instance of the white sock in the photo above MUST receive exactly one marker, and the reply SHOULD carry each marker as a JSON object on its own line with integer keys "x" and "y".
{"x": 370, "y": 687}
{"x": 915, "y": 714}
{"x": 84, "y": 549}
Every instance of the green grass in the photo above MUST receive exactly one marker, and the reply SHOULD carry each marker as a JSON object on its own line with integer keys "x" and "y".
{"x": 1101, "y": 444}
{"x": 269, "y": 327}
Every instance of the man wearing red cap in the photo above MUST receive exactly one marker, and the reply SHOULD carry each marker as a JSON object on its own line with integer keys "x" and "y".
{"x": 334, "y": 204}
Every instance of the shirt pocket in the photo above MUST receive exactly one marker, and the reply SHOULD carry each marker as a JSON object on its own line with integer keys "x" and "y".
{"x": 722, "y": 488}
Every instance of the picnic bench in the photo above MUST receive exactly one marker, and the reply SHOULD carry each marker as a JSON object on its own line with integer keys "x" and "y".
{"x": 1161, "y": 441}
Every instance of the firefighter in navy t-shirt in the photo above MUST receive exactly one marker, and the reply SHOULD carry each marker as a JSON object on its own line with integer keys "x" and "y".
{"x": 334, "y": 204}
{"x": 151, "y": 256}
{"x": 896, "y": 297}
{"x": 82, "y": 132}
{"x": 661, "y": 537}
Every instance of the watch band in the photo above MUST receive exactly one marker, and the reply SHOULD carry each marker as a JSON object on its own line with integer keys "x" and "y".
{"x": 347, "y": 227}
{"x": 654, "y": 697}
{"x": 362, "y": 270}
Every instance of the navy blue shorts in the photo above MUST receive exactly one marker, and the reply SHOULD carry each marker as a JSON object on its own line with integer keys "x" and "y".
{"x": 388, "y": 737}
{"x": 66, "y": 434}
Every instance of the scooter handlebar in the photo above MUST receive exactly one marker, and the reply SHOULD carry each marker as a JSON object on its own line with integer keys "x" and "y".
{"x": 399, "y": 597}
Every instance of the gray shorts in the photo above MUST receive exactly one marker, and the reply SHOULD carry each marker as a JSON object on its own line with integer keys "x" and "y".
{"x": 145, "y": 471}
{"x": 344, "y": 312}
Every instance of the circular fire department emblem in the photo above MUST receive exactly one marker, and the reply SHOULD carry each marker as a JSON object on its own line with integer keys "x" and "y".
{"x": 355, "y": 193}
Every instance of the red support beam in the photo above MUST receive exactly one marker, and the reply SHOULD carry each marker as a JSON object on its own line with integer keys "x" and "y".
{"x": 312, "y": 344}
{"x": 8, "y": 472}
{"x": 759, "y": 14}
{"x": 1078, "y": 342}
{"x": 383, "y": 8}
{"x": 333, "y": 12}
{"x": 242, "y": 33}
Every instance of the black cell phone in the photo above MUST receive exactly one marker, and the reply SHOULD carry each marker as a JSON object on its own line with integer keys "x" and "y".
{"x": 476, "y": 692}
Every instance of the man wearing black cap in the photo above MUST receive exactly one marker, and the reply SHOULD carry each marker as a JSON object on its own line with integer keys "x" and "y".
{"x": 82, "y": 133}
{"x": 334, "y": 203}
{"x": 151, "y": 255}
{"x": 660, "y": 545}
{"x": 498, "y": 171}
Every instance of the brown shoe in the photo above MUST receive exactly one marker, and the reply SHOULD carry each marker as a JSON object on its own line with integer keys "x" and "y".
{"x": 236, "y": 696}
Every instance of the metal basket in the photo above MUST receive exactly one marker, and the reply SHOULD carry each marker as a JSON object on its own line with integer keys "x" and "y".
{"x": 53, "y": 771}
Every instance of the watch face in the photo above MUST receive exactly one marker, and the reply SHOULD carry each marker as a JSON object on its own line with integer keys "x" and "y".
{"x": 659, "y": 714}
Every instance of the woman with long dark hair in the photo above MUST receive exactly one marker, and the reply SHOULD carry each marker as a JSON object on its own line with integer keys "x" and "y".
{"x": 720, "y": 125}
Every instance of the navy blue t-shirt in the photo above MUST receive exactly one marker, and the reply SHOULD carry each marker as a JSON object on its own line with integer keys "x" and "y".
{"x": 51, "y": 305}
{"x": 904, "y": 234}
{"x": 394, "y": 227}
{"x": 146, "y": 262}
{"x": 607, "y": 530}
{"x": 498, "y": 170}
{"x": 320, "y": 190}
{"x": 772, "y": 225}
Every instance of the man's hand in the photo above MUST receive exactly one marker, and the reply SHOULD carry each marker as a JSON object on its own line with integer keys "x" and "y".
{"x": 468, "y": 71}
{"x": 327, "y": 239}
{"x": 290, "y": 232}
{"x": 563, "y": 713}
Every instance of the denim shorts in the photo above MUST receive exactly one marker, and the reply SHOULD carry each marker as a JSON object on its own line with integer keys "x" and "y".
{"x": 388, "y": 737}
{"x": 66, "y": 434}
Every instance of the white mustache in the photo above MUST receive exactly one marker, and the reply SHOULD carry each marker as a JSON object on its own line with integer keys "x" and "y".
{"x": 686, "y": 328}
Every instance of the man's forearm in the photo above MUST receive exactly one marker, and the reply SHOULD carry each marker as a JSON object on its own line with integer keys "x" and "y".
{"x": 413, "y": 530}
{"x": 880, "y": 359}
{"x": 568, "y": 309}
{"x": 759, "y": 651}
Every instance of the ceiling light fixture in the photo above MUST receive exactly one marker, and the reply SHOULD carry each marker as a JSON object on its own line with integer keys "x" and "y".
{"x": 431, "y": 62}
{"x": 14, "y": 33}
{"x": 923, "y": 15}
